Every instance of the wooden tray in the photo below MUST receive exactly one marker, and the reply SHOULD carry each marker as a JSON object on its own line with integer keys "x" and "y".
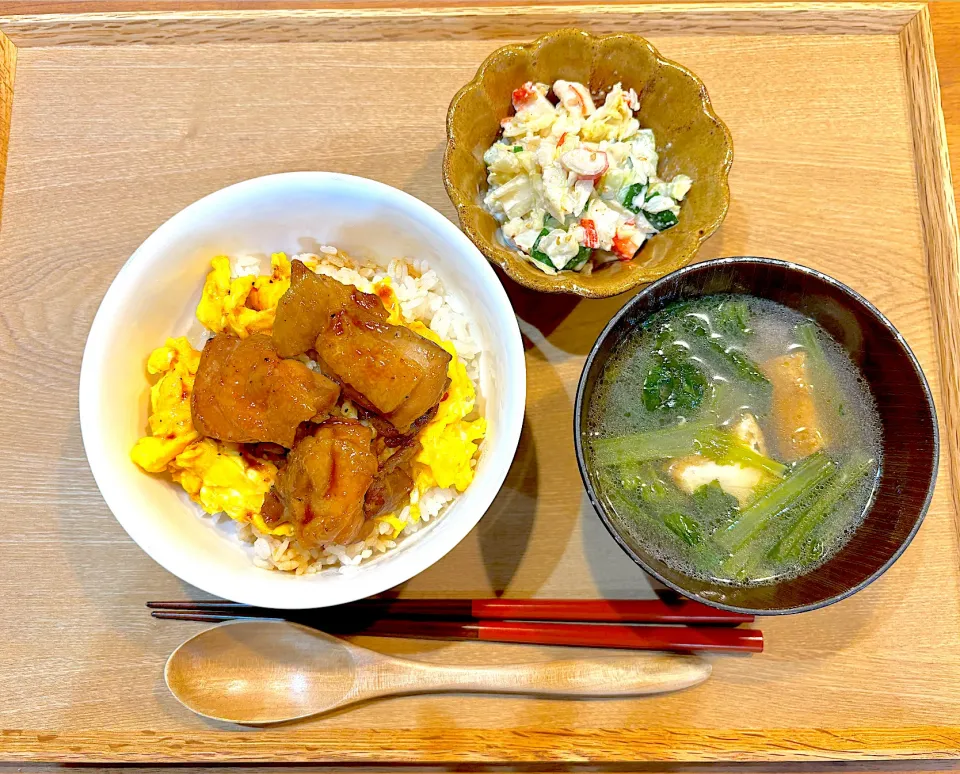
{"x": 120, "y": 120}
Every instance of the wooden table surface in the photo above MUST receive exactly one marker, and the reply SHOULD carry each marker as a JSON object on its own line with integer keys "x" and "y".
{"x": 946, "y": 24}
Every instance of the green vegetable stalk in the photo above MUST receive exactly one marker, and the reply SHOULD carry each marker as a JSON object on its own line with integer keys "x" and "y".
{"x": 684, "y": 527}
{"x": 839, "y": 486}
{"x": 655, "y": 445}
{"x": 726, "y": 448}
{"x": 744, "y": 564}
{"x": 679, "y": 441}
{"x": 827, "y": 392}
{"x": 808, "y": 475}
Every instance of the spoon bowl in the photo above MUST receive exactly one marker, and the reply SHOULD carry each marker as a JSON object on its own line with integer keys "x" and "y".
{"x": 273, "y": 671}
{"x": 262, "y": 672}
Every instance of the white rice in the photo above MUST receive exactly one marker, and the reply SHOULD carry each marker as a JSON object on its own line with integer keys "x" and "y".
{"x": 422, "y": 298}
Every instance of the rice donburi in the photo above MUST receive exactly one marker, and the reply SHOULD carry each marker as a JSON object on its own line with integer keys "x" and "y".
{"x": 332, "y": 411}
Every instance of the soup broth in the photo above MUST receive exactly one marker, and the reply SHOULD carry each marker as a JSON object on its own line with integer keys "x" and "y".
{"x": 734, "y": 439}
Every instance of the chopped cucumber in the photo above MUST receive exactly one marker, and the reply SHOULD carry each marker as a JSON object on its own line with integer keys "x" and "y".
{"x": 538, "y": 255}
{"x": 633, "y": 192}
{"x": 661, "y": 221}
{"x": 580, "y": 259}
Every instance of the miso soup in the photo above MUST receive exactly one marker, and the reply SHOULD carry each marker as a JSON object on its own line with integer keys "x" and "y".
{"x": 735, "y": 439}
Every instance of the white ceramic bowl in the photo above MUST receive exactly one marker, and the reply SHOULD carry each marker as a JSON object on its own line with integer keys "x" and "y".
{"x": 155, "y": 295}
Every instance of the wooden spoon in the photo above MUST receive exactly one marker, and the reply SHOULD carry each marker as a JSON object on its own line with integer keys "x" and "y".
{"x": 270, "y": 671}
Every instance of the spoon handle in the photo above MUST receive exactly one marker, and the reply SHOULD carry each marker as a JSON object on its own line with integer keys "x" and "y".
{"x": 599, "y": 676}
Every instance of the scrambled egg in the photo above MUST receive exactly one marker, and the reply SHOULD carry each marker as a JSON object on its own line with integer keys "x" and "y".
{"x": 220, "y": 477}
{"x": 450, "y": 441}
{"x": 243, "y": 305}
{"x": 171, "y": 425}
{"x": 215, "y": 474}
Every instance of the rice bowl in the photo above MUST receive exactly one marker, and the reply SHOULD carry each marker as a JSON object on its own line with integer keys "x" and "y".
{"x": 293, "y": 211}
{"x": 416, "y": 297}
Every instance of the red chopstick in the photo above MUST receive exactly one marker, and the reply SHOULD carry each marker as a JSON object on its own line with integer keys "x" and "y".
{"x": 590, "y": 635}
{"x": 663, "y": 611}
{"x": 604, "y": 610}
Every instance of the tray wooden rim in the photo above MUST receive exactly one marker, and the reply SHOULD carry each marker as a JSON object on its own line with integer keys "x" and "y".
{"x": 911, "y": 22}
{"x": 823, "y": 17}
{"x": 481, "y": 746}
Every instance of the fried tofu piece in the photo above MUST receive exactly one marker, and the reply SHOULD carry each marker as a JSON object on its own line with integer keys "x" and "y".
{"x": 747, "y": 430}
{"x": 691, "y": 473}
{"x": 796, "y": 426}
{"x": 246, "y": 393}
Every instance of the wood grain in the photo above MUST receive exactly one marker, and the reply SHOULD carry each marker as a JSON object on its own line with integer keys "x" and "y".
{"x": 8, "y": 67}
{"x": 826, "y": 174}
{"x": 335, "y": 24}
{"x": 945, "y": 20}
{"x": 938, "y": 213}
{"x": 432, "y": 745}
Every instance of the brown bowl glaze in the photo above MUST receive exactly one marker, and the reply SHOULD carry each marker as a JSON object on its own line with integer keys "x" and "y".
{"x": 673, "y": 102}
{"x": 907, "y": 414}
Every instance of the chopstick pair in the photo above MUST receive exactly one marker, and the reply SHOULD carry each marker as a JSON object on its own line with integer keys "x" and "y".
{"x": 584, "y": 623}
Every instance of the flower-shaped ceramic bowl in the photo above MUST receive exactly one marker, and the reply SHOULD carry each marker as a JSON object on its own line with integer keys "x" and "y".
{"x": 691, "y": 140}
